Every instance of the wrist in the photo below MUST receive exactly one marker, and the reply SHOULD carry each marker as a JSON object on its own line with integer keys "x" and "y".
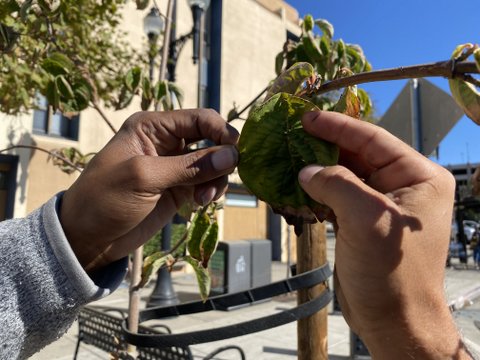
{"x": 431, "y": 334}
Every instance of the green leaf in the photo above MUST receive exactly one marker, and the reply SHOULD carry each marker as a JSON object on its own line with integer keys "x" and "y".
{"x": 186, "y": 210}
{"x": 307, "y": 23}
{"x": 159, "y": 90}
{"x": 152, "y": 264}
{"x": 52, "y": 95}
{"x": 147, "y": 94}
{"x": 133, "y": 78}
{"x": 142, "y": 4}
{"x": 467, "y": 97}
{"x": 197, "y": 229}
{"x": 124, "y": 99}
{"x": 58, "y": 64}
{"x": 476, "y": 57}
{"x": 203, "y": 277}
{"x": 279, "y": 60}
{"x": 312, "y": 48}
{"x": 349, "y": 102}
{"x": 209, "y": 243}
{"x": 64, "y": 87}
{"x": 291, "y": 80}
{"x": 273, "y": 148}
{"x": 325, "y": 26}
{"x": 178, "y": 92}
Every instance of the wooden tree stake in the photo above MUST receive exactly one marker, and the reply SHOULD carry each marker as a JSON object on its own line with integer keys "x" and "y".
{"x": 312, "y": 331}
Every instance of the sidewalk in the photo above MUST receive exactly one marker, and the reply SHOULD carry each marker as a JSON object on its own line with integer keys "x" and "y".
{"x": 277, "y": 343}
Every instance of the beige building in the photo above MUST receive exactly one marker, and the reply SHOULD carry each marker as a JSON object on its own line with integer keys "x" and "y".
{"x": 242, "y": 38}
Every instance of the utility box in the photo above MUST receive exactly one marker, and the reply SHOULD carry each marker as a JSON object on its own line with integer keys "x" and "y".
{"x": 261, "y": 262}
{"x": 230, "y": 267}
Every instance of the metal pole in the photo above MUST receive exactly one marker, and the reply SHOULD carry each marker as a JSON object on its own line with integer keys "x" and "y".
{"x": 163, "y": 293}
{"x": 416, "y": 118}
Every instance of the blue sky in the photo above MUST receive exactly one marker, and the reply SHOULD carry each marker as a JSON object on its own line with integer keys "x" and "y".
{"x": 408, "y": 32}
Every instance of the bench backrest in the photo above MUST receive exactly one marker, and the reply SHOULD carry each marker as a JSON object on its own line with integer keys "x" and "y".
{"x": 104, "y": 331}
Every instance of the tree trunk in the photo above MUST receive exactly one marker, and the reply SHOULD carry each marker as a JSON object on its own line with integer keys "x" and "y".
{"x": 312, "y": 331}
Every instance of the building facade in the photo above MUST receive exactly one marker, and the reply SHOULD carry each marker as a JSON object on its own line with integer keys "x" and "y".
{"x": 242, "y": 38}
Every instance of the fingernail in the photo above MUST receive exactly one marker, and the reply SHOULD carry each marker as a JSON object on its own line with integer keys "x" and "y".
{"x": 207, "y": 196}
{"x": 308, "y": 172}
{"x": 310, "y": 115}
{"x": 225, "y": 158}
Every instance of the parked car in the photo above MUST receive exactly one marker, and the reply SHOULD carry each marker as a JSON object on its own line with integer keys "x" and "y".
{"x": 469, "y": 228}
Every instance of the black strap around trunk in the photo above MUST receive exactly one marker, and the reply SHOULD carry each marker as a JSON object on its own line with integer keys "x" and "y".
{"x": 222, "y": 302}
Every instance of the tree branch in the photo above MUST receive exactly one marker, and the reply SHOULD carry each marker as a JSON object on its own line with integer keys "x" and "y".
{"x": 104, "y": 117}
{"x": 448, "y": 69}
{"x": 51, "y": 153}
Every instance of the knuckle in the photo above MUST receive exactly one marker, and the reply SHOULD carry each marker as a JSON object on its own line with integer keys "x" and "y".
{"x": 137, "y": 172}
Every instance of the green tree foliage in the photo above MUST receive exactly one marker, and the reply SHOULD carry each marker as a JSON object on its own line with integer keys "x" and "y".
{"x": 330, "y": 59}
{"x": 72, "y": 52}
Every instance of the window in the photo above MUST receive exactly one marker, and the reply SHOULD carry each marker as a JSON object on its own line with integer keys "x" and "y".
{"x": 54, "y": 124}
{"x": 240, "y": 200}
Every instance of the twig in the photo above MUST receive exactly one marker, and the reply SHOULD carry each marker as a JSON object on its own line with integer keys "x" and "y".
{"x": 53, "y": 154}
{"x": 238, "y": 114}
{"x": 447, "y": 69}
{"x": 104, "y": 117}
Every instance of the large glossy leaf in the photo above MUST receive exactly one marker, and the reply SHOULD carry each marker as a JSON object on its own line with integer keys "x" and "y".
{"x": 273, "y": 149}
{"x": 291, "y": 80}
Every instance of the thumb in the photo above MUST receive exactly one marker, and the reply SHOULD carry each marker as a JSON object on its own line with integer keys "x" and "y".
{"x": 338, "y": 188}
{"x": 194, "y": 168}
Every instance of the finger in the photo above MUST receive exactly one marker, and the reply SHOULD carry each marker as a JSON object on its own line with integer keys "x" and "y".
{"x": 154, "y": 174}
{"x": 210, "y": 191}
{"x": 382, "y": 157}
{"x": 191, "y": 125}
{"x": 342, "y": 191}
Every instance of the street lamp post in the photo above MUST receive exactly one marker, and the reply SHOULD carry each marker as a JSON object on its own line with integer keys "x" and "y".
{"x": 163, "y": 293}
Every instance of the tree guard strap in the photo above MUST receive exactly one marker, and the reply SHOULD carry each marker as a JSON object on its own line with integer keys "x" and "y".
{"x": 223, "y": 302}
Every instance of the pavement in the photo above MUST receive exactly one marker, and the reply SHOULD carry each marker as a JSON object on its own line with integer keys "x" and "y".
{"x": 277, "y": 343}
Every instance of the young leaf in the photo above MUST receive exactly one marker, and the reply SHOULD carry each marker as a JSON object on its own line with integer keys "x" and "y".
{"x": 325, "y": 26}
{"x": 209, "y": 243}
{"x": 349, "y": 103}
{"x": 273, "y": 148}
{"x": 308, "y": 22}
{"x": 147, "y": 94}
{"x": 152, "y": 264}
{"x": 291, "y": 80}
{"x": 125, "y": 98}
{"x": 465, "y": 93}
{"x": 197, "y": 229}
{"x": 203, "y": 277}
{"x": 476, "y": 57}
{"x": 467, "y": 97}
{"x": 133, "y": 78}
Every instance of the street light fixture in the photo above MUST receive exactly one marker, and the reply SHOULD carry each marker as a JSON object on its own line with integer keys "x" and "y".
{"x": 198, "y": 7}
{"x": 153, "y": 24}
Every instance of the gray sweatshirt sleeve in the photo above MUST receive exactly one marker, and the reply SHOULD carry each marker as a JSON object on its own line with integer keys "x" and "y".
{"x": 42, "y": 283}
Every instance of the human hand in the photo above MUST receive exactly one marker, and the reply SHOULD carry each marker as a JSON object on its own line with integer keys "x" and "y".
{"x": 138, "y": 181}
{"x": 392, "y": 209}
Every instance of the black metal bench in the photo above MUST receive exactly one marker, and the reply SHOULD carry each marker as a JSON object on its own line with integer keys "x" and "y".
{"x": 98, "y": 326}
